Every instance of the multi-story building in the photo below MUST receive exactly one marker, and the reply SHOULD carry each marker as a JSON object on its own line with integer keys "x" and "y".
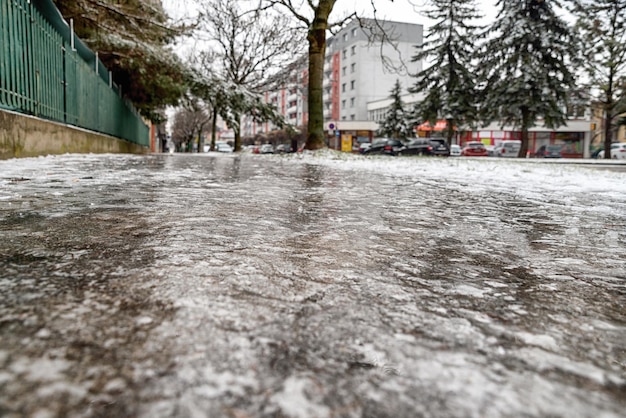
{"x": 289, "y": 98}
{"x": 363, "y": 62}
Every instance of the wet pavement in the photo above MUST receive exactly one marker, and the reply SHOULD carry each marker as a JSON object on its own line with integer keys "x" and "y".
{"x": 310, "y": 286}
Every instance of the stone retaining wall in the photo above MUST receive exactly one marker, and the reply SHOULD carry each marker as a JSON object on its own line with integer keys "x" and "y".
{"x": 26, "y": 136}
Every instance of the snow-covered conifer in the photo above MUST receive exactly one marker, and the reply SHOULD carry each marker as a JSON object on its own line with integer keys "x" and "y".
{"x": 527, "y": 66}
{"x": 396, "y": 124}
{"x": 602, "y": 25}
{"x": 448, "y": 80}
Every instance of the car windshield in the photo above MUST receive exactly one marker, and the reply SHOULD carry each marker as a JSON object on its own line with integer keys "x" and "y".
{"x": 475, "y": 145}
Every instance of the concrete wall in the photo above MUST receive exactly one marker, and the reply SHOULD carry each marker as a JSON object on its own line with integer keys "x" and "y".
{"x": 26, "y": 136}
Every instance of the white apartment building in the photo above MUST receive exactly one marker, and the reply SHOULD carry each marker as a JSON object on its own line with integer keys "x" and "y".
{"x": 363, "y": 62}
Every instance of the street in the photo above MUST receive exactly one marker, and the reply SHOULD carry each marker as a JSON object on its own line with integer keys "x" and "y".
{"x": 315, "y": 285}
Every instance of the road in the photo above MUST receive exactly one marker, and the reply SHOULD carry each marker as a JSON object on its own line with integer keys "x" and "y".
{"x": 310, "y": 286}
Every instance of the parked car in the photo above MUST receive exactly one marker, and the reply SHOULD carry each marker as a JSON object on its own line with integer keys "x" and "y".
{"x": 474, "y": 149}
{"x": 363, "y": 146}
{"x": 618, "y": 151}
{"x": 223, "y": 147}
{"x": 455, "y": 150}
{"x": 508, "y": 149}
{"x": 283, "y": 148}
{"x": 549, "y": 151}
{"x": 376, "y": 147}
{"x": 440, "y": 147}
{"x": 490, "y": 150}
{"x": 426, "y": 146}
{"x": 419, "y": 146}
{"x": 266, "y": 149}
{"x": 384, "y": 146}
{"x": 393, "y": 146}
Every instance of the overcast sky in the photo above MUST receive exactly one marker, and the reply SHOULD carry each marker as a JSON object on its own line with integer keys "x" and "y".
{"x": 408, "y": 11}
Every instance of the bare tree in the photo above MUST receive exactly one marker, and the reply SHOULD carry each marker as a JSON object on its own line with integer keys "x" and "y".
{"x": 189, "y": 123}
{"x": 244, "y": 52}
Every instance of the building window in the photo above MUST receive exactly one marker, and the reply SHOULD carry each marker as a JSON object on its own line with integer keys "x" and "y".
{"x": 343, "y": 104}
{"x": 354, "y": 32}
{"x": 343, "y": 87}
{"x": 352, "y": 117}
{"x": 344, "y": 54}
{"x": 353, "y": 50}
{"x": 352, "y": 84}
{"x": 345, "y": 36}
{"x": 353, "y": 67}
{"x": 343, "y": 71}
{"x": 352, "y": 102}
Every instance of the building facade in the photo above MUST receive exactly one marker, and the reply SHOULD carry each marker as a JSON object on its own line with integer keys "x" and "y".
{"x": 363, "y": 62}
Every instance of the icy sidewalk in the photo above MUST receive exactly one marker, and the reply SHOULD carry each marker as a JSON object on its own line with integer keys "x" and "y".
{"x": 317, "y": 285}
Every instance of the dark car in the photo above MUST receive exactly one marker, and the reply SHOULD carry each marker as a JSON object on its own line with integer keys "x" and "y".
{"x": 376, "y": 147}
{"x": 440, "y": 147}
{"x": 385, "y": 146}
{"x": 424, "y": 146}
{"x": 417, "y": 147}
{"x": 549, "y": 151}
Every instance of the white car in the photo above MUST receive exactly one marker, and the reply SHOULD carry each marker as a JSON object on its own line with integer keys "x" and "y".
{"x": 223, "y": 147}
{"x": 455, "y": 150}
{"x": 618, "y": 151}
{"x": 507, "y": 149}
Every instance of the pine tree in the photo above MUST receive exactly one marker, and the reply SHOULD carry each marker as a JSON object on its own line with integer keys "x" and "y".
{"x": 133, "y": 40}
{"x": 527, "y": 66}
{"x": 602, "y": 24}
{"x": 449, "y": 83}
{"x": 396, "y": 123}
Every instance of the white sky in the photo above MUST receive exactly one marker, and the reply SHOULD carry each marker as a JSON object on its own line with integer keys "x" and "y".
{"x": 408, "y": 11}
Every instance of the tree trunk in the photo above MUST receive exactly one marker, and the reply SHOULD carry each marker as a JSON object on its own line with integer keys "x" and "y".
{"x": 449, "y": 130}
{"x": 523, "y": 150}
{"x": 214, "y": 128}
{"x": 317, "y": 50}
{"x": 608, "y": 128}
{"x": 237, "y": 144}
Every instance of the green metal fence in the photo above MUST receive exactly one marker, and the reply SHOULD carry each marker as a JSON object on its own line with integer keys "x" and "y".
{"x": 47, "y": 72}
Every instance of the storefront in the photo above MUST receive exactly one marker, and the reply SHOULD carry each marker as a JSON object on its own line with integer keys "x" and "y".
{"x": 573, "y": 138}
{"x": 348, "y": 135}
